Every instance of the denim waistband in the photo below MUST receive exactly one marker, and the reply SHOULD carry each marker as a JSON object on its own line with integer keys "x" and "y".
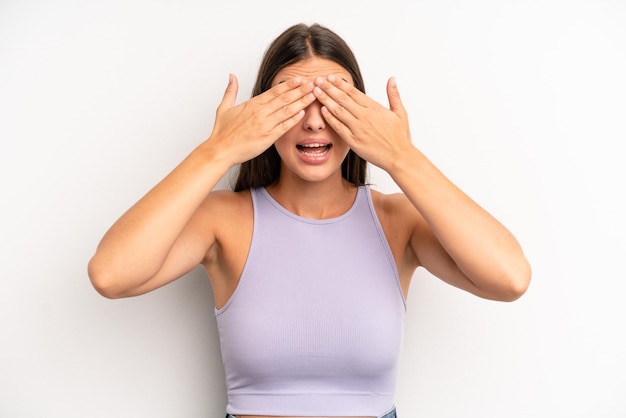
{"x": 390, "y": 414}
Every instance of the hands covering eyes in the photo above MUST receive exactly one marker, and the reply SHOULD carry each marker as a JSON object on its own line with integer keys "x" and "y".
{"x": 376, "y": 133}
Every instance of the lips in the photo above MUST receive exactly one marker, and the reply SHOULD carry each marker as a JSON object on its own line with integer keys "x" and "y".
{"x": 314, "y": 149}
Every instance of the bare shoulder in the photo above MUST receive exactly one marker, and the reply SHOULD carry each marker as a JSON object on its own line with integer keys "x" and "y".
{"x": 227, "y": 215}
{"x": 395, "y": 206}
{"x": 227, "y": 202}
{"x": 219, "y": 213}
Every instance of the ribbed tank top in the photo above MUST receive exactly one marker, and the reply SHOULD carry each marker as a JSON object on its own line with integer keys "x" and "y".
{"x": 316, "y": 322}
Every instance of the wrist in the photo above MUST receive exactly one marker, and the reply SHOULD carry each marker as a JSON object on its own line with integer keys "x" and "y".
{"x": 406, "y": 161}
{"x": 213, "y": 156}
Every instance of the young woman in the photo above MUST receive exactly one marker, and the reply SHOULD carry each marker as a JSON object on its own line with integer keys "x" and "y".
{"x": 310, "y": 267}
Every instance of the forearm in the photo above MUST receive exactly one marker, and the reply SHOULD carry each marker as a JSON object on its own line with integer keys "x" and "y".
{"x": 482, "y": 248}
{"x": 136, "y": 246}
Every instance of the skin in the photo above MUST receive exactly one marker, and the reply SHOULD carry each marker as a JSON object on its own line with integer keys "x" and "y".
{"x": 180, "y": 223}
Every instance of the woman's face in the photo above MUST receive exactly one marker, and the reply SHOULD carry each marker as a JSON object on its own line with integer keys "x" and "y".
{"x": 311, "y": 149}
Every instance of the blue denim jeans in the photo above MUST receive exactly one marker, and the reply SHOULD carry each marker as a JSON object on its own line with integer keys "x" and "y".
{"x": 390, "y": 414}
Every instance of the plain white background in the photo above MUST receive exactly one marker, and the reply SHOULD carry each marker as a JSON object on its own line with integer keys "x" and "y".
{"x": 522, "y": 104}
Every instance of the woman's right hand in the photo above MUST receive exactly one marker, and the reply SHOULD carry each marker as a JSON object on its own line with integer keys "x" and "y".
{"x": 244, "y": 131}
{"x": 166, "y": 234}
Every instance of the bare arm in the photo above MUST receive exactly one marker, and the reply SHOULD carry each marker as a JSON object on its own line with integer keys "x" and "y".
{"x": 164, "y": 235}
{"x": 456, "y": 239}
{"x": 452, "y": 236}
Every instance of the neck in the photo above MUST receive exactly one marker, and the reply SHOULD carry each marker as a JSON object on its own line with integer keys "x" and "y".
{"x": 314, "y": 200}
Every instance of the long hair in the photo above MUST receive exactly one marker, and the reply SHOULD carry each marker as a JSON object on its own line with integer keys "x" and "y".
{"x": 295, "y": 44}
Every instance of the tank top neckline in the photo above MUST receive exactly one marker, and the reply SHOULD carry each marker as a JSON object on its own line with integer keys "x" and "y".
{"x": 288, "y": 213}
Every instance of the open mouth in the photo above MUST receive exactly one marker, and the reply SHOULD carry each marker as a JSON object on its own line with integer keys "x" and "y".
{"x": 314, "y": 150}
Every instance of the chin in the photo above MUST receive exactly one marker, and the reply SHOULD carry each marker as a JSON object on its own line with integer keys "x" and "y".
{"x": 314, "y": 174}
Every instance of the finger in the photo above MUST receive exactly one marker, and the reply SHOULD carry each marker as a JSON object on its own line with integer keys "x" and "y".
{"x": 337, "y": 109}
{"x": 337, "y": 125}
{"x": 344, "y": 92}
{"x": 230, "y": 95}
{"x": 286, "y": 111}
{"x": 293, "y": 95}
{"x": 393, "y": 94}
{"x": 285, "y": 100}
{"x": 279, "y": 90}
{"x": 289, "y": 123}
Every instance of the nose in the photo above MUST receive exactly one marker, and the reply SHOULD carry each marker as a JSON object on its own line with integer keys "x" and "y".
{"x": 313, "y": 120}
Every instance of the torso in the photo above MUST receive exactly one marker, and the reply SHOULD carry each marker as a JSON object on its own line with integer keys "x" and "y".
{"x": 225, "y": 260}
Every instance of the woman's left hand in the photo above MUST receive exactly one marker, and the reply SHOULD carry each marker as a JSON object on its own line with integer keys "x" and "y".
{"x": 375, "y": 133}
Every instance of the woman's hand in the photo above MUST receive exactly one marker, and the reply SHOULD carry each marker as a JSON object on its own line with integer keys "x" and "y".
{"x": 245, "y": 131}
{"x": 375, "y": 133}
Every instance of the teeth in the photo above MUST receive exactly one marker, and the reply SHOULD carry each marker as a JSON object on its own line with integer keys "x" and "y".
{"x": 317, "y": 149}
{"x": 314, "y": 154}
{"x": 313, "y": 145}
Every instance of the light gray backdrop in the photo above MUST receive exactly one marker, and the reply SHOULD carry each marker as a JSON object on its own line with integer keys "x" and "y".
{"x": 522, "y": 104}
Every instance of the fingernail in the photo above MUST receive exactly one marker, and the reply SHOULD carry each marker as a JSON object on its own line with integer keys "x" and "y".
{"x": 331, "y": 78}
{"x": 319, "y": 81}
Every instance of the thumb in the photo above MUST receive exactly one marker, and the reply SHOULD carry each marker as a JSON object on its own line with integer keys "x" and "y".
{"x": 393, "y": 94}
{"x": 230, "y": 95}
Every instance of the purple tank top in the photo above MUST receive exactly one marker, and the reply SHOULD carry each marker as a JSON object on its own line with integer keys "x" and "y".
{"x": 315, "y": 325}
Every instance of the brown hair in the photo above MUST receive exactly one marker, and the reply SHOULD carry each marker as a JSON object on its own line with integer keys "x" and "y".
{"x": 293, "y": 45}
